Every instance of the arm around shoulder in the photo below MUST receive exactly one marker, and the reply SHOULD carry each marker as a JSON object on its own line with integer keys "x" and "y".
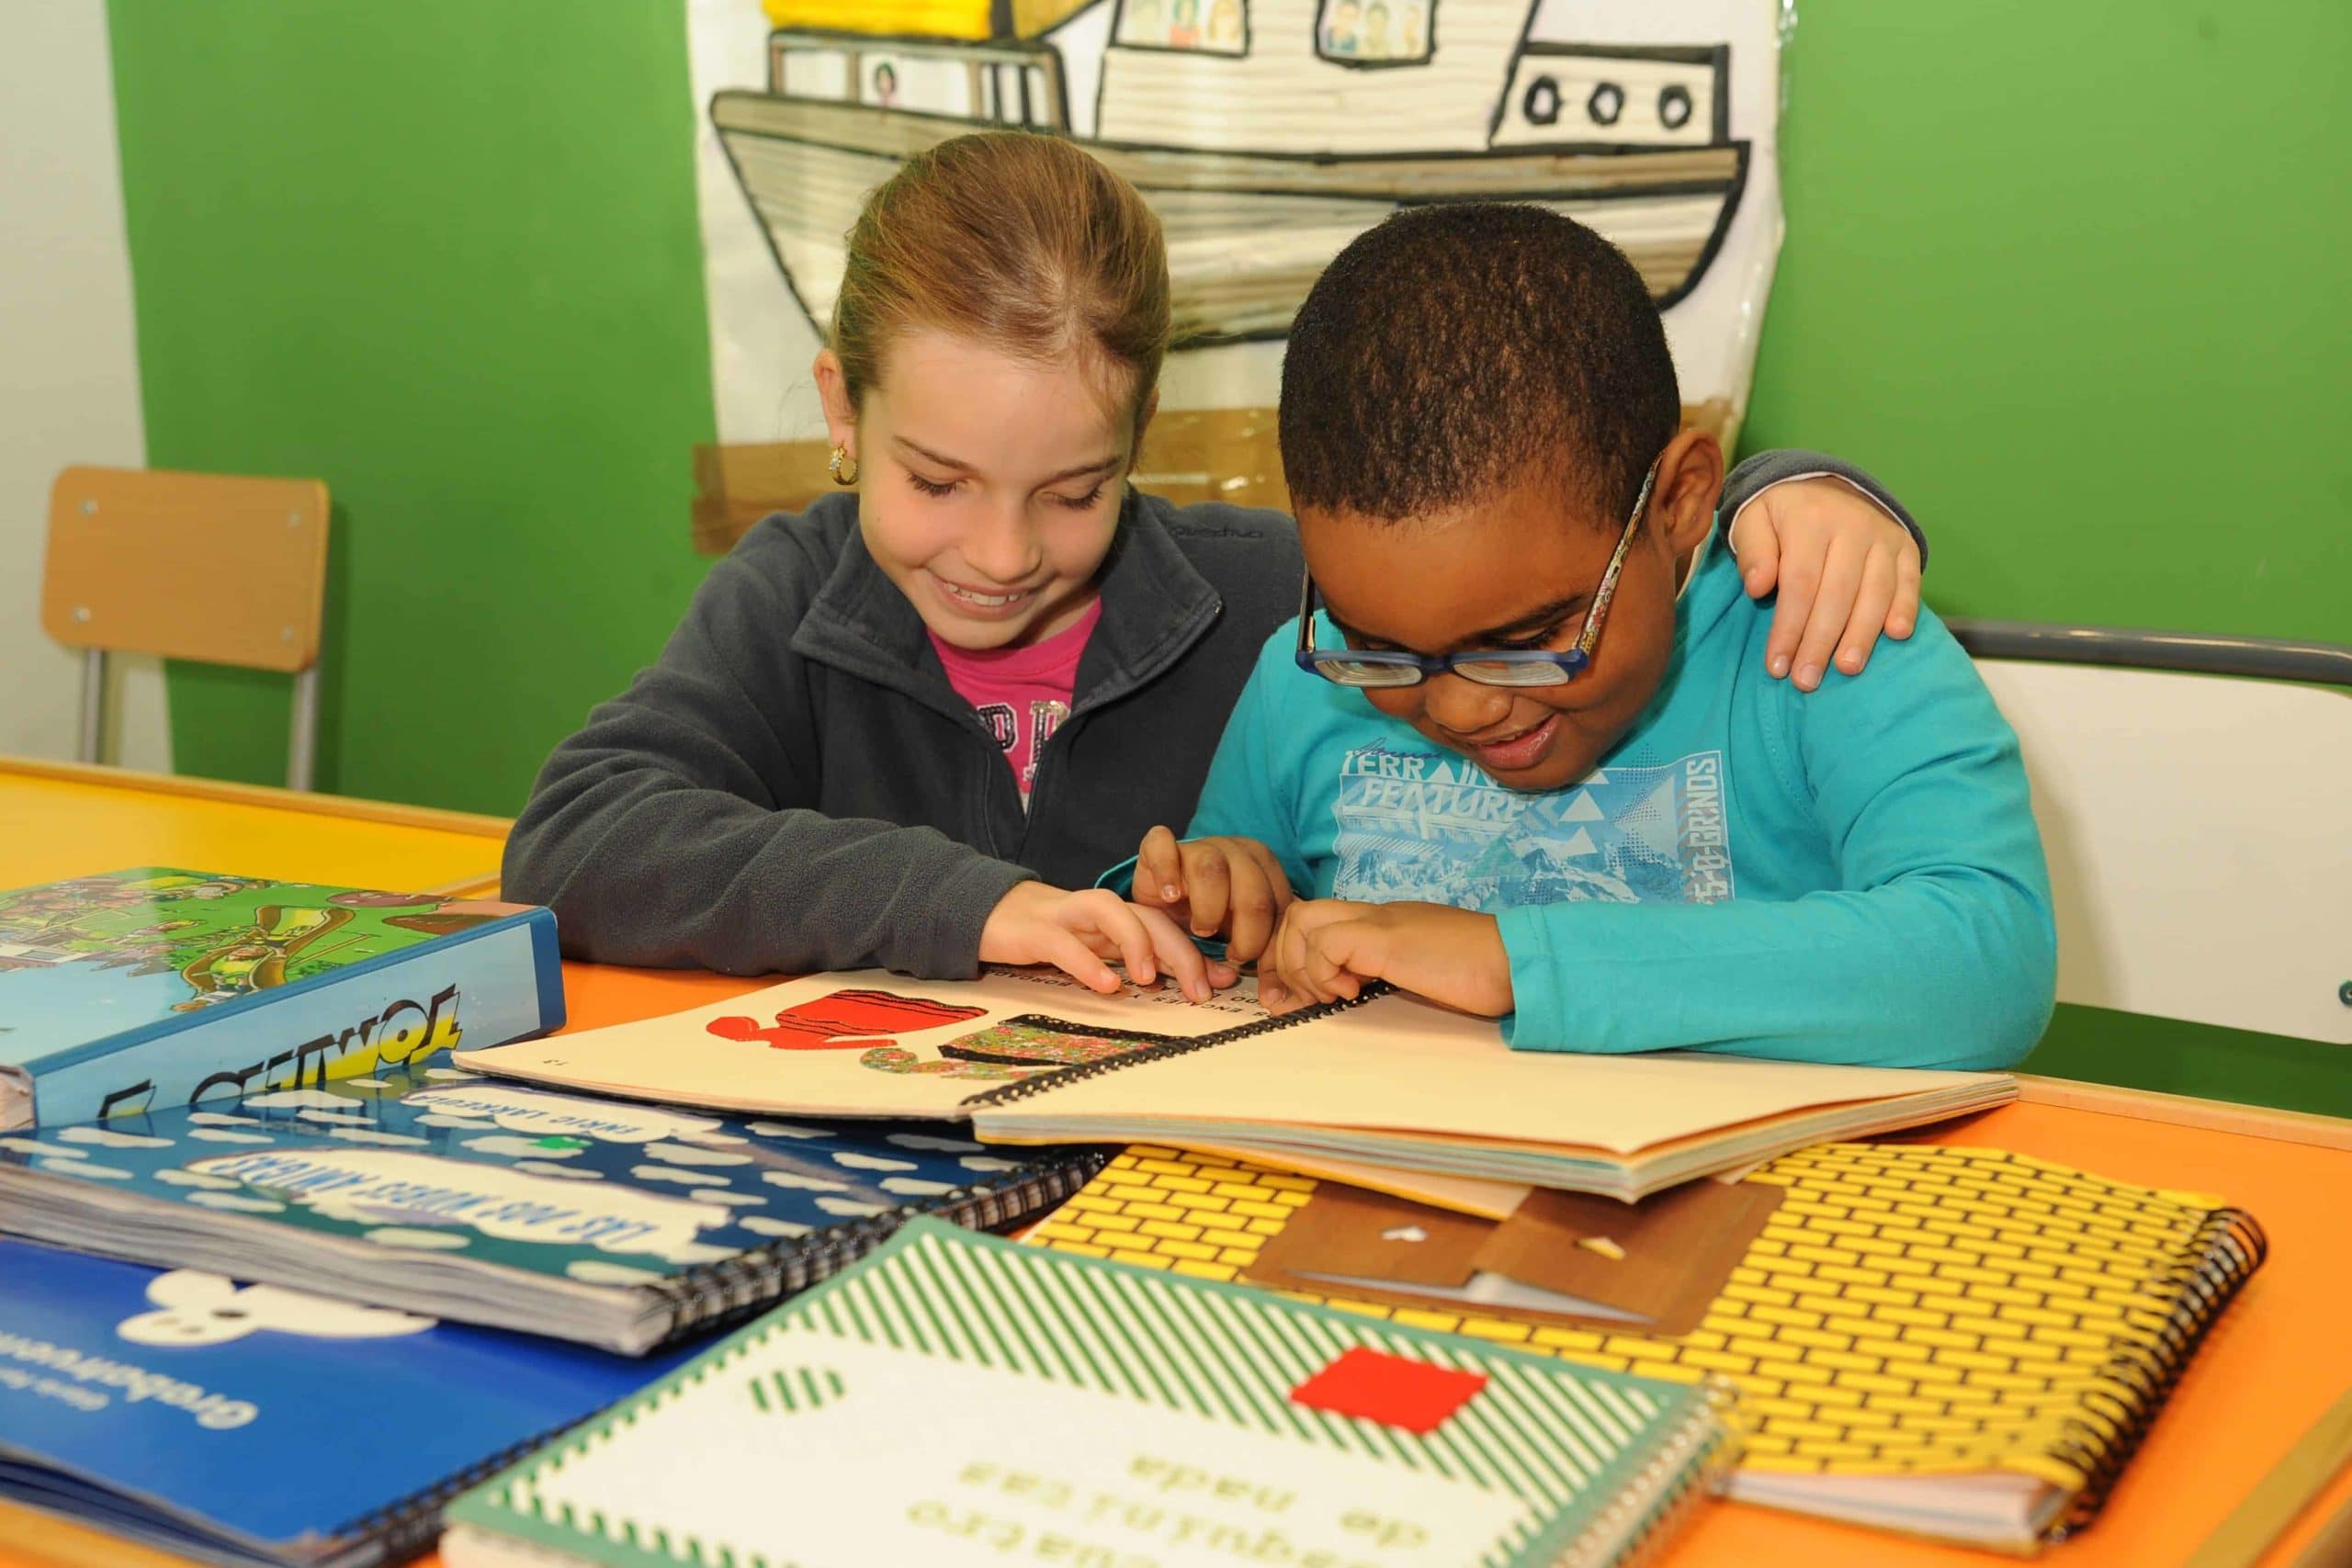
{"x": 1757, "y": 474}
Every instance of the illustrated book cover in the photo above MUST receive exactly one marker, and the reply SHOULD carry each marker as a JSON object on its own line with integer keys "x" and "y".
{"x": 142, "y": 989}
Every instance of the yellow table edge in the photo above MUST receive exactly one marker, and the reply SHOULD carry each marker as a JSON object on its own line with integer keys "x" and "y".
{"x": 106, "y": 777}
{"x": 493, "y": 830}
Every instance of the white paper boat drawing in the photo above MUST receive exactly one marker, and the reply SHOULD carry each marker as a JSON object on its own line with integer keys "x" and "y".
{"x": 1266, "y": 134}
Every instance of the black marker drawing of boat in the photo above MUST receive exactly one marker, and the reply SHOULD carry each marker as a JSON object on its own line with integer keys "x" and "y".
{"x": 1266, "y": 134}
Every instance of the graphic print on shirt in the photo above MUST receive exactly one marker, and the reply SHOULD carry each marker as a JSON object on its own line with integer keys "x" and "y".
{"x": 1001, "y": 722}
{"x": 1004, "y": 723}
{"x": 1435, "y": 828}
{"x": 1045, "y": 717}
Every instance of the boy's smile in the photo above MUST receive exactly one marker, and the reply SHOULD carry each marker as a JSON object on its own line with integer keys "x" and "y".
{"x": 1517, "y": 570}
{"x": 1511, "y": 753}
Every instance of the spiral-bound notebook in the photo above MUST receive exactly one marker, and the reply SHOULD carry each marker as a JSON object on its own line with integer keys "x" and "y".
{"x": 260, "y": 1427}
{"x": 1960, "y": 1343}
{"x": 615, "y": 1223}
{"x": 1030, "y": 1057}
{"x": 955, "y": 1400}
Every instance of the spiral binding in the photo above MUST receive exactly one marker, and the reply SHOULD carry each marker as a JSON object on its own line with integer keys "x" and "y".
{"x": 1690, "y": 1464}
{"x": 2230, "y": 1246}
{"x": 408, "y": 1527}
{"x": 1041, "y": 1083}
{"x": 717, "y": 1294}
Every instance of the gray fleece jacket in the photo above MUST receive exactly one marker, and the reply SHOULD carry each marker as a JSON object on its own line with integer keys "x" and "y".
{"x": 794, "y": 785}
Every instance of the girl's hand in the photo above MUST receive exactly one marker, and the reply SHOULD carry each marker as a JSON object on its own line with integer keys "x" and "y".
{"x": 1076, "y": 932}
{"x": 1845, "y": 570}
{"x": 1231, "y": 884}
{"x": 1327, "y": 948}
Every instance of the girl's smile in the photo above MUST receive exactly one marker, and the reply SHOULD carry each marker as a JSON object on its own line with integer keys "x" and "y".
{"x": 989, "y": 489}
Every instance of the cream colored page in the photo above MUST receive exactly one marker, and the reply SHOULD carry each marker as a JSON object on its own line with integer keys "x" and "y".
{"x": 1461, "y": 1194}
{"x": 1401, "y": 1064}
{"x": 802, "y": 1048}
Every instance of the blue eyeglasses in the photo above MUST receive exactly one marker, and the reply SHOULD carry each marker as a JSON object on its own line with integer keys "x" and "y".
{"x": 1499, "y": 667}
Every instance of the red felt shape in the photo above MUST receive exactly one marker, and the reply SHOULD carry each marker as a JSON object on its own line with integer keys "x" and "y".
{"x": 1376, "y": 1386}
{"x": 844, "y": 1021}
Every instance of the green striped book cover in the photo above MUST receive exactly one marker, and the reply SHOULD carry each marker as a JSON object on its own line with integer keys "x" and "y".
{"x": 957, "y": 1399}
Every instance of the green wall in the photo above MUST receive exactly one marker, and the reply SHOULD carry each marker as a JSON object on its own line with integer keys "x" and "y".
{"x": 2071, "y": 276}
{"x": 2068, "y": 274}
{"x": 444, "y": 255}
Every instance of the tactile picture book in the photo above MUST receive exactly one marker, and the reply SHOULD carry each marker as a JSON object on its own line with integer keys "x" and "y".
{"x": 611, "y": 1222}
{"x": 1960, "y": 1343}
{"x": 261, "y": 1428}
{"x": 960, "y": 1400}
{"x": 1032, "y": 1057}
{"x": 137, "y": 990}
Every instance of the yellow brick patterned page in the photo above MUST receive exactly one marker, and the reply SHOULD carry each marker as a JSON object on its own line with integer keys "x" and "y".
{"x": 1908, "y": 1310}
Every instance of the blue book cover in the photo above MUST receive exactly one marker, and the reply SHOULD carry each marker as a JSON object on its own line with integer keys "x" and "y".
{"x": 189, "y": 1412}
{"x": 614, "y": 1222}
{"x": 141, "y": 989}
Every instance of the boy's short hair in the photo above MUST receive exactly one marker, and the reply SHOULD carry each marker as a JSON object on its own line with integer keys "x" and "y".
{"x": 1455, "y": 350}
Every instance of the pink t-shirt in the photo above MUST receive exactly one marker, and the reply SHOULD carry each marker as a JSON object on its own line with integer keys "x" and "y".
{"x": 1021, "y": 693}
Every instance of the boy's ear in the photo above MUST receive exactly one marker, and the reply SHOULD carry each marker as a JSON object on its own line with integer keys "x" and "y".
{"x": 1690, "y": 484}
{"x": 833, "y": 393}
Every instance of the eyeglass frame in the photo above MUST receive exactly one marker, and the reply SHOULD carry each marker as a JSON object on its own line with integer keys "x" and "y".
{"x": 1569, "y": 662}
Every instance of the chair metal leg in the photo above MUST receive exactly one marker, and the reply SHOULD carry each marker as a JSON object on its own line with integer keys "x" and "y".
{"x": 93, "y": 705}
{"x": 302, "y": 744}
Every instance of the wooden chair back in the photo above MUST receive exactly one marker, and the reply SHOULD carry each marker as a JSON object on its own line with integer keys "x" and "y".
{"x": 209, "y": 567}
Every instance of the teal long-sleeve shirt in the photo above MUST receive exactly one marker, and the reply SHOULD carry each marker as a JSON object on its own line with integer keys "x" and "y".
{"x": 1851, "y": 876}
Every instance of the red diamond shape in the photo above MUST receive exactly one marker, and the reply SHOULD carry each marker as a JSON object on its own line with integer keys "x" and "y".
{"x": 1390, "y": 1390}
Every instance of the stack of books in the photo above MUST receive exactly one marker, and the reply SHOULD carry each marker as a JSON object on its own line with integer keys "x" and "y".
{"x": 255, "y": 1205}
{"x": 1356, "y": 1284}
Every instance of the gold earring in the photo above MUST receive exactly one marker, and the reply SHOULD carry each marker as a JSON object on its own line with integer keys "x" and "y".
{"x": 842, "y": 460}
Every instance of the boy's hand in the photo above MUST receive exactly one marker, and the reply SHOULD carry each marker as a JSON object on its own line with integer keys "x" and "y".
{"x": 1232, "y": 884}
{"x": 1845, "y": 570}
{"x": 1327, "y": 948}
{"x": 1076, "y": 932}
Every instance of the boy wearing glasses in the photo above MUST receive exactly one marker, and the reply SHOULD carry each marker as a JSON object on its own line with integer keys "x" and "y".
{"x": 1521, "y": 764}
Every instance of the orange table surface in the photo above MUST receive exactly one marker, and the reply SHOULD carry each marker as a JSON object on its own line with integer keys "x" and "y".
{"x": 2279, "y": 1358}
